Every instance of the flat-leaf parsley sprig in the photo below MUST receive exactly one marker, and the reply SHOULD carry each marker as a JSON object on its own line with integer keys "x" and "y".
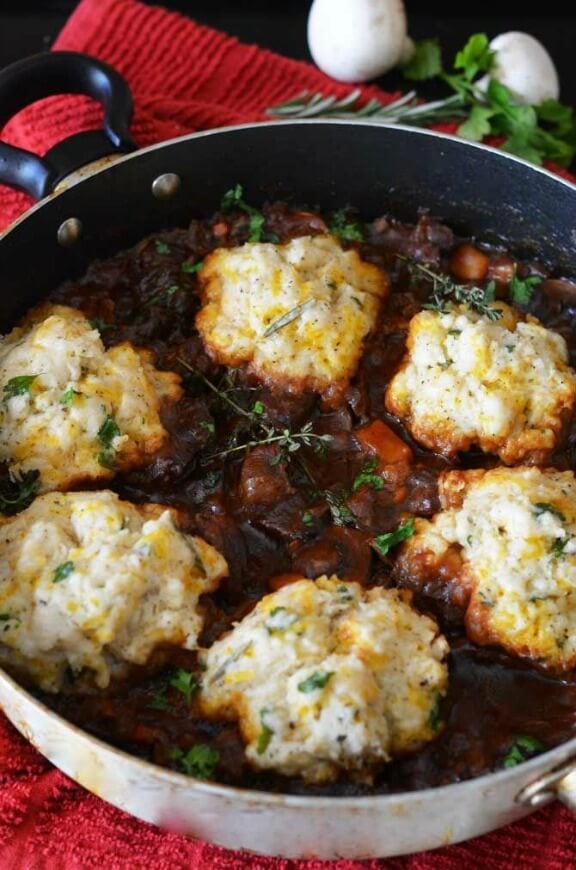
{"x": 536, "y": 133}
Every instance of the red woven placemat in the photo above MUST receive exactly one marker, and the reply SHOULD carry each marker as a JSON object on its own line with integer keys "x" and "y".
{"x": 184, "y": 78}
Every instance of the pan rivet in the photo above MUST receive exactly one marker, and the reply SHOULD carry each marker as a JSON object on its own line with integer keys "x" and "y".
{"x": 166, "y": 185}
{"x": 69, "y": 232}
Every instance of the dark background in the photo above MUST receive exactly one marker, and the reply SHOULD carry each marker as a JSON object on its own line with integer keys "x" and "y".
{"x": 29, "y": 26}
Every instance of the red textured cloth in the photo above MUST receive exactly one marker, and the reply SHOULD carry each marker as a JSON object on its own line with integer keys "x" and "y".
{"x": 184, "y": 77}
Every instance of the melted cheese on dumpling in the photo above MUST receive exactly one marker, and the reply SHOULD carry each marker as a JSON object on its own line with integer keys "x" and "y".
{"x": 89, "y": 582}
{"x": 325, "y": 676}
{"x": 502, "y": 384}
{"x": 516, "y": 528}
{"x": 296, "y": 314}
{"x": 73, "y": 410}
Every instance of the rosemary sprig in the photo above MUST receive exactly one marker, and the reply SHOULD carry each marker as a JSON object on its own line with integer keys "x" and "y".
{"x": 407, "y": 109}
{"x": 287, "y": 318}
{"x": 444, "y": 289}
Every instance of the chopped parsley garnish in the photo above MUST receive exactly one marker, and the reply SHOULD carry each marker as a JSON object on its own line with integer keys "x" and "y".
{"x": 346, "y": 229}
{"x": 191, "y": 268}
{"x": 159, "y": 702}
{"x": 18, "y": 386}
{"x": 265, "y": 735}
{"x": 317, "y": 680}
{"x": 280, "y": 619}
{"x": 162, "y": 247}
{"x": 107, "y": 460}
{"x": 234, "y": 198}
{"x": 198, "y": 761}
{"x": 307, "y": 518}
{"x": 62, "y": 571}
{"x": 258, "y": 408}
{"x": 15, "y": 495}
{"x": 425, "y": 63}
{"x": 543, "y": 507}
{"x": 108, "y": 431}
{"x": 68, "y": 397}
{"x": 523, "y": 748}
{"x": 384, "y": 543}
{"x": 367, "y": 477}
{"x": 206, "y": 424}
{"x": 100, "y": 325}
{"x": 521, "y": 290}
{"x": 184, "y": 682}
{"x": 558, "y": 547}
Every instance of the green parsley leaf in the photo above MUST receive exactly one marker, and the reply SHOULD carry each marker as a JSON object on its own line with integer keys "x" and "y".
{"x": 162, "y": 247}
{"x": 107, "y": 459}
{"x": 256, "y": 227}
{"x": 368, "y": 477}
{"x": 16, "y": 495}
{"x": 435, "y": 716}
{"x": 191, "y": 268}
{"x": 258, "y": 408}
{"x": 100, "y": 325}
{"x": 159, "y": 702}
{"x": 307, "y": 518}
{"x": 234, "y": 198}
{"x": 521, "y": 290}
{"x": 476, "y": 56}
{"x": 543, "y": 507}
{"x": 18, "y": 386}
{"x": 206, "y": 424}
{"x": 425, "y": 63}
{"x": 317, "y": 680}
{"x": 108, "y": 431}
{"x": 477, "y": 125}
{"x": 383, "y": 543}
{"x": 523, "y": 748}
{"x": 62, "y": 571}
{"x": 184, "y": 682}
{"x": 348, "y": 230}
{"x": 68, "y": 397}
{"x": 558, "y": 547}
{"x": 265, "y": 735}
{"x": 4, "y": 617}
{"x": 198, "y": 761}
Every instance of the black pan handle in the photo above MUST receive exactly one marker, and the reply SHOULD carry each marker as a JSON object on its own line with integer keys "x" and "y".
{"x": 62, "y": 72}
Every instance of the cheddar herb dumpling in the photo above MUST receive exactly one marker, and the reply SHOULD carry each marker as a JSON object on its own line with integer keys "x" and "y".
{"x": 324, "y": 676}
{"x": 503, "y": 385}
{"x": 73, "y": 410}
{"x": 506, "y": 545}
{"x": 89, "y": 582}
{"x": 295, "y": 314}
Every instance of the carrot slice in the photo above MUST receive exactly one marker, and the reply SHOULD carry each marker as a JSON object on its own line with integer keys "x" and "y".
{"x": 383, "y": 441}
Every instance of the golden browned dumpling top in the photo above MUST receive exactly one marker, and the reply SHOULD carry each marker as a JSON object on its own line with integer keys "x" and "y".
{"x": 73, "y": 410}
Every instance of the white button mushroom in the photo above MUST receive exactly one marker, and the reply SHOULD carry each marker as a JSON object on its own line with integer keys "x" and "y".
{"x": 525, "y": 67}
{"x": 357, "y": 40}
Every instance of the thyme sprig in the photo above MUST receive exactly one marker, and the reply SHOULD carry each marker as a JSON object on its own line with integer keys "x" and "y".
{"x": 288, "y": 442}
{"x": 445, "y": 291}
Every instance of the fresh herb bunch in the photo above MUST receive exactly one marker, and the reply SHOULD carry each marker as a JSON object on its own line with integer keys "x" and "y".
{"x": 536, "y": 133}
